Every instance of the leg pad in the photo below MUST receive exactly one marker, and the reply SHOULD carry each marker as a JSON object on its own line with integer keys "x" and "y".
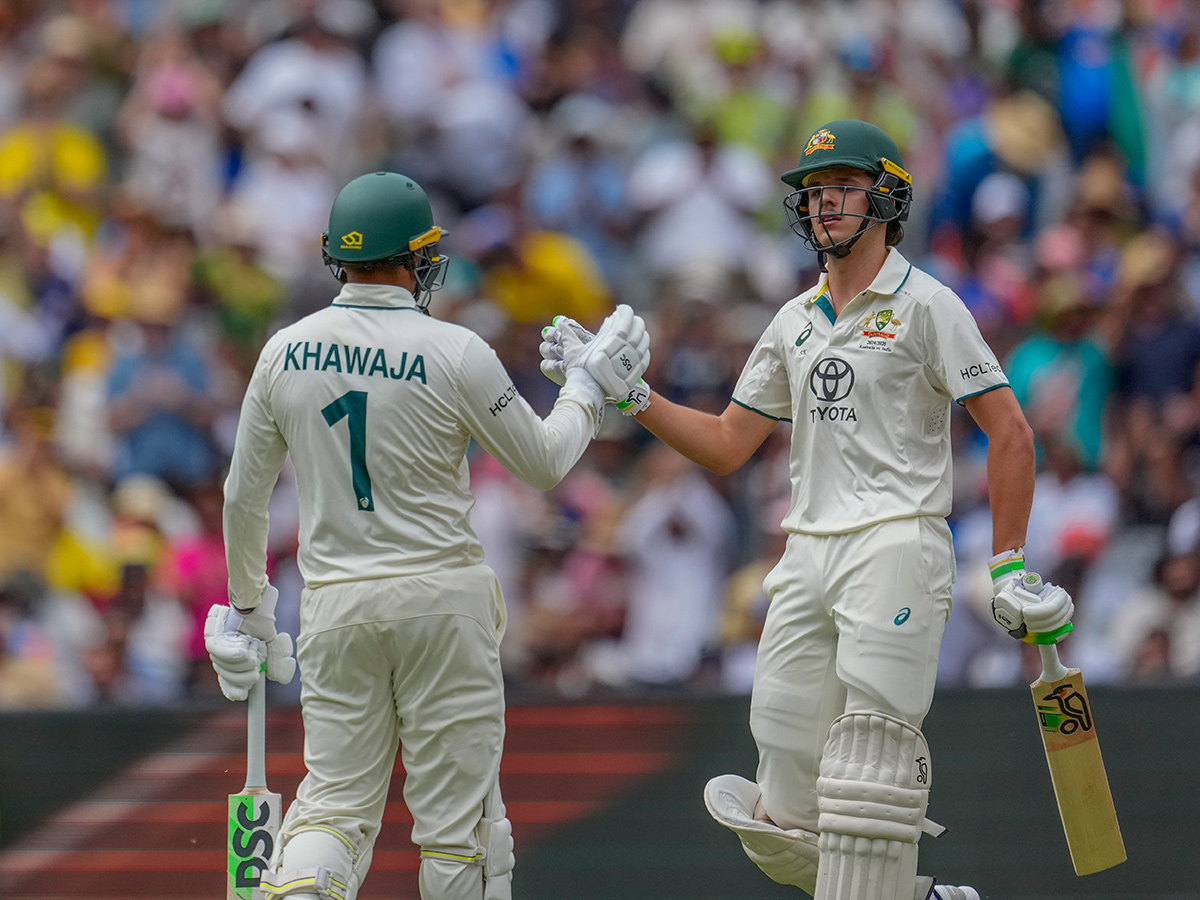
{"x": 786, "y": 855}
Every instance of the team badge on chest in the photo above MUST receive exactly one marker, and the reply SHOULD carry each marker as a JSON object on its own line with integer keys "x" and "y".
{"x": 879, "y": 330}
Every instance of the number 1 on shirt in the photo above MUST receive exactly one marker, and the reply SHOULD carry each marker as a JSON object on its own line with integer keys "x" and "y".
{"x": 352, "y": 406}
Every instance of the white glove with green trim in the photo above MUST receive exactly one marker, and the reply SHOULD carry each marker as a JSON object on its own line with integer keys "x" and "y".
{"x": 615, "y": 357}
{"x": 1041, "y": 617}
{"x": 243, "y": 644}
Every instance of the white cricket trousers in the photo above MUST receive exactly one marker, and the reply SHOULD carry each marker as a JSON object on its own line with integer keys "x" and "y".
{"x": 855, "y": 625}
{"x": 413, "y": 661}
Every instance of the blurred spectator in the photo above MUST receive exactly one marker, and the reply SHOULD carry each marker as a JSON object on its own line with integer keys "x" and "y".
{"x": 1074, "y": 516}
{"x": 1061, "y": 375}
{"x": 1106, "y": 212}
{"x": 29, "y": 676}
{"x": 197, "y": 574}
{"x": 508, "y": 517}
{"x": 673, "y": 40}
{"x": 50, "y": 168}
{"x": 534, "y": 274}
{"x": 691, "y": 367}
{"x": 674, "y": 537}
{"x": 140, "y": 658}
{"x": 285, "y": 190}
{"x": 34, "y": 493}
{"x": 746, "y": 603}
{"x": 227, "y": 274}
{"x": 170, "y": 127}
{"x": 1155, "y": 636}
{"x": 1020, "y": 134}
{"x": 460, "y": 127}
{"x": 1097, "y": 97}
{"x": 1156, "y": 343}
{"x": 699, "y": 198}
{"x": 998, "y": 256}
{"x": 160, "y": 399}
{"x": 579, "y": 187}
{"x": 574, "y": 581}
{"x": 749, "y": 109}
{"x": 313, "y": 73}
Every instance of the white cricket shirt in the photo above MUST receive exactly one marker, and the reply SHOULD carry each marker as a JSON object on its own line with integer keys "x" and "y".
{"x": 377, "y": 404}
{"x": 868, "y": 396}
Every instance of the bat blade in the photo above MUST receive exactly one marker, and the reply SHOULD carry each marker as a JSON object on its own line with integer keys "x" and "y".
{"x": 1085, "y": 802}
{"x": 254, "y": 818}
{"x": 255, "y": 812}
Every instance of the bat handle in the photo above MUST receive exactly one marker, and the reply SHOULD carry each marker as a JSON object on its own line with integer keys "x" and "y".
{"x": 1052, "y": 667}
{"x": 256, "y": 735}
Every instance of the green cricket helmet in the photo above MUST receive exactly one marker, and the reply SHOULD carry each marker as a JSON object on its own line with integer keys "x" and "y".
{"x": 852, "y": 144}
{"x": 385, "y": 217}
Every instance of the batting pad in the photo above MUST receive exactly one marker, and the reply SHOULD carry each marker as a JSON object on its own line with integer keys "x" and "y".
{"x": 315, "y": 861}
{"x": 788, "y": 856}
{"x": 872, "y": 795}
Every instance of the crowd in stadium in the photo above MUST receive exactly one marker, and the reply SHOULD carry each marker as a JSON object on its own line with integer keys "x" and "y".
{"x": 167, "y": 168}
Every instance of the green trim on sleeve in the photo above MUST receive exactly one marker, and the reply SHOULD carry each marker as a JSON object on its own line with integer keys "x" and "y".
{"x": 759, "y": 411}
{"x": 984, "y": 391}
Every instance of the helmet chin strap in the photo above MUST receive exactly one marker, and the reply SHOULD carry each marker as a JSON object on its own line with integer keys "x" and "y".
{"x": 841, "y": 249}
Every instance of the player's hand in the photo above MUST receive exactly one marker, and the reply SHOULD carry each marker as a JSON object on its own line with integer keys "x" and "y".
{"x": 615, "y": 357}
{"x": 1048, "y": 615}
{"x": 242, "y": 645}
{"x": 1025, "y": 607}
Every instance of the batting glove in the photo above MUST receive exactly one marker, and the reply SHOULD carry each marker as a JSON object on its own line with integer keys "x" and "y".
{"x": 622, "y": 351}
{"x": 1036, "y": 618}
{"x": 243, "y": 644}
{"x": 1049, "y": 611}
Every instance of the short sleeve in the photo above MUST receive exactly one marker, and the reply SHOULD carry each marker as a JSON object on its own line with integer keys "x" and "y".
{"x": 764, "y": 385}
{"x": 961, "y": 361}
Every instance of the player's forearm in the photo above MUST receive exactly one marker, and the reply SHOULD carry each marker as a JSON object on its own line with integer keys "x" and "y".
{"x": 1011, "y": 472}
{"x": 258, "y": 456}
{"x": 542, "y": 451}
{"x": 245, "y": 524}
{"x": 700, "y": 436}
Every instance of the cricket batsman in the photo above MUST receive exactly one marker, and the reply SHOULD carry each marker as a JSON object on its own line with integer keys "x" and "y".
{"x": 400, "y": 619}
{"x": 865, "y": 366}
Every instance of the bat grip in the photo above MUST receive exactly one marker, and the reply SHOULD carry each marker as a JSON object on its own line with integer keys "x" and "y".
{"x": 1052, "y": 667}
{"x": 256, "y": 735}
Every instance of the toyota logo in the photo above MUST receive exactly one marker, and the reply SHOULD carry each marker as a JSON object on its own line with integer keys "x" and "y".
{"x": 831, "y": 380}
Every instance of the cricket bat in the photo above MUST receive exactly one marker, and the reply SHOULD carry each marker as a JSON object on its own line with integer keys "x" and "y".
{"x": 1068, "y": 731}
{"x": 254, "y": 814}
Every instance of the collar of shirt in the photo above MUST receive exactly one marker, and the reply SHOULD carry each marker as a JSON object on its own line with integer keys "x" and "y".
{"x": 375, "y": 296}
{"x": 890, "y": 278}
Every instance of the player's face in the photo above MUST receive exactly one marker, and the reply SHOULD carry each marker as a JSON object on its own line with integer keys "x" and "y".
{"x": 837, "y": 212}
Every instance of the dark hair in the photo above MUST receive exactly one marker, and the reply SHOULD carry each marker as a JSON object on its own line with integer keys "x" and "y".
{"x": 374, "y": 265}
{"x": 895, "y": 233}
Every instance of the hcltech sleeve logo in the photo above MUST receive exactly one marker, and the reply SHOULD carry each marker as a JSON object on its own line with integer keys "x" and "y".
{"x": 980, "y": 368}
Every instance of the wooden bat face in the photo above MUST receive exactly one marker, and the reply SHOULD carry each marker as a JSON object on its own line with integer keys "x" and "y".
{"x": 253, "y": 827}
{"x": 1077, "y": 771}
